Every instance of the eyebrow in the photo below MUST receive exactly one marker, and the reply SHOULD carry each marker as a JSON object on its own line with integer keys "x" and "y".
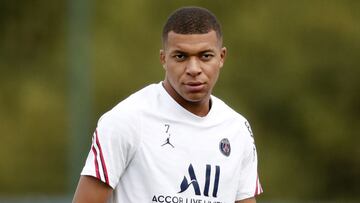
{"x": 183, "y": 52}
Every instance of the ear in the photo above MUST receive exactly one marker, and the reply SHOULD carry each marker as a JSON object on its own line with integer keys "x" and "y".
{"x": 223, "y": 53}
{"x": 162, "y": 58}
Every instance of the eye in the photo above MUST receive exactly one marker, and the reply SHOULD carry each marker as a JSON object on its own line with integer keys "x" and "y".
{"x": 207, "y": 56}
{"x": 179, "y": 57}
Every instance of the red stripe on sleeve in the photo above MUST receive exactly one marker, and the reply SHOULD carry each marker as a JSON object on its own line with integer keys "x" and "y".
{"x": 258, "y": 188}
{"x": 96, "y": 162}
{"x": 257, "y": 185}
{"x": 102, "y": 159}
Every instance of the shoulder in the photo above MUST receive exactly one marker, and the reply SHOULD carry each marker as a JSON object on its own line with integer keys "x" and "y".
{"x": 234, "y": 119}
{"x": 127, "y": 113}
{"x": 137, "y": 99}
{"x": 226, "y": 111}
{"x": 135, "y": 102}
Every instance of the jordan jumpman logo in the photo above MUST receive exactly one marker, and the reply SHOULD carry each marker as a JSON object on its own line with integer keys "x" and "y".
{"x": 168, "y": 142}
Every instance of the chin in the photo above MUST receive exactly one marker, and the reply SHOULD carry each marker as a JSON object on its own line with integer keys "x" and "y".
{"x": 195, "y": 99}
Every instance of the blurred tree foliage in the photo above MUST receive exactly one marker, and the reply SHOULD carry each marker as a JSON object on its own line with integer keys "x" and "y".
{"x": 292, "y": 69}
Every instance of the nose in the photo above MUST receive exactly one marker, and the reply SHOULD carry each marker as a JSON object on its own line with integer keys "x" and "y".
{"x": 193, "y": 67}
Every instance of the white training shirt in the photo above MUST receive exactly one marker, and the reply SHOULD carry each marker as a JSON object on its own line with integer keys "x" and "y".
{"x": 148, "y": 148}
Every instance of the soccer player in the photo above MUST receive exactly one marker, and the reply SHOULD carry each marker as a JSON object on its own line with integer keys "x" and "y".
{"x": 174, "y": 142}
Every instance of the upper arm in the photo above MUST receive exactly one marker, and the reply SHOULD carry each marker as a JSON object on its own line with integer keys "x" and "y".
{"x": 114, "y": 144}
{"x": 249, "y": 200}
{"x": 249, "y": 184}
{"x": 91, "y": 190}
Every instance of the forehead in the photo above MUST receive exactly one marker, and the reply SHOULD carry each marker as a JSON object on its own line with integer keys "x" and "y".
{"x": 192, "y": 42}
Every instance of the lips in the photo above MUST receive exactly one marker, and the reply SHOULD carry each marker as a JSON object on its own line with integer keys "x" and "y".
{"x": 194, "y": 86}
{"x": 194, "y": 83}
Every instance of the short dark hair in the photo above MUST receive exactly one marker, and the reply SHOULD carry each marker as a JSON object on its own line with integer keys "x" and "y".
{"x": 191, "y": 20}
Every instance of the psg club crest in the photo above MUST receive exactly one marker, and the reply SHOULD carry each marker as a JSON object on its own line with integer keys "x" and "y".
{"x": 224, "y": 146}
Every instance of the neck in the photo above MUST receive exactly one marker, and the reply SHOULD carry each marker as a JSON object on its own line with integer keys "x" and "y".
{"x": 199, "y": 108}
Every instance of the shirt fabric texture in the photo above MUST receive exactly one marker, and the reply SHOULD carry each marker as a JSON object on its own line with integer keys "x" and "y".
{"x": 148, "y": 148}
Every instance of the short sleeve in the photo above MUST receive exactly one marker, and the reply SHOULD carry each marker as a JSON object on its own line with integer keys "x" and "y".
{"x": 114, "y": 143}
{"x": 249, "y": 184}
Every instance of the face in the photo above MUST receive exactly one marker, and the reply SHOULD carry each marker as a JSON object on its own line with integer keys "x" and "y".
{"x": 192, "y": 64}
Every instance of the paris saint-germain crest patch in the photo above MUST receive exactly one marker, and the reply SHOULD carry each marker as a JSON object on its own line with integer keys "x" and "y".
{"x": 224, "y": 146}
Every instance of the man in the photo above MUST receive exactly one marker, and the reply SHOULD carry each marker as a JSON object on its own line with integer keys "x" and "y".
{"x": 174, "y": 142}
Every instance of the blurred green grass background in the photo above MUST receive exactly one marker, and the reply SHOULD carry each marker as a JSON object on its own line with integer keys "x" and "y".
{"x": 292, "y": 69}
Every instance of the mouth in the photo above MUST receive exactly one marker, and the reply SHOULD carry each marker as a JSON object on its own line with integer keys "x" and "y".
{"x": 194, "y": 86}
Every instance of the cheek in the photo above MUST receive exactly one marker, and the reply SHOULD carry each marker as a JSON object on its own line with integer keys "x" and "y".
{"x": 171, "y": 74}
{"x": 215, "y": 75}
{"x": 173, "y": 70}
{"x": 213, "y": 71}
